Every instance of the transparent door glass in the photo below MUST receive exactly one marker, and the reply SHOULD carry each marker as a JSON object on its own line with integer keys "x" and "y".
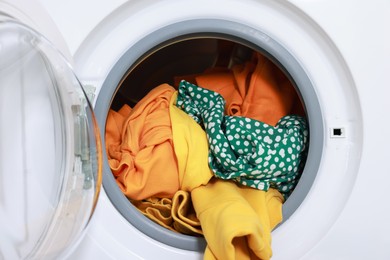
{"x": 50, "y": 151}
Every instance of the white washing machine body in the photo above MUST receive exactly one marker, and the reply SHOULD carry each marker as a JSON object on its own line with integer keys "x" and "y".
{"x": 337, "y": 51}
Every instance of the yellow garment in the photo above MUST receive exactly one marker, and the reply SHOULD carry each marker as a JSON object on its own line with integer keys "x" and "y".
{"x": 176, "y": 214}
{"x": 183, "y": 214}
{"x": 191, "y": 149}
{"x": 158, "y": 210}
{"x": 237, "y": 221}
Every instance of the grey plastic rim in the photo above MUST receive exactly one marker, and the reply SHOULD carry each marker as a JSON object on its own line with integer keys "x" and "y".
{"x": 207, "y": 28}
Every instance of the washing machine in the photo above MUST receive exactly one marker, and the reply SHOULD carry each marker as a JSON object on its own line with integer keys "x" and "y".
{"x": 65, "y": 64}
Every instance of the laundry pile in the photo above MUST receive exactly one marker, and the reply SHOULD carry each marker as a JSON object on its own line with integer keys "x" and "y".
{"x": 216, "y": 156}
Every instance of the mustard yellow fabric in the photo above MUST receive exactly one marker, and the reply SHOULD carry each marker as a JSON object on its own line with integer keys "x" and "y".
{"x": 183, "y": 214}
{"x": 237, "y": 221}
{"x": 156, "y": 209}
{"x": 176, "y": 214}
{"x": 191, "y": 149}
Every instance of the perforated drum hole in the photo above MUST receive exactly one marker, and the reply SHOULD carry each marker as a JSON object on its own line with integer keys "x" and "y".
{"x": 337, "y": 132}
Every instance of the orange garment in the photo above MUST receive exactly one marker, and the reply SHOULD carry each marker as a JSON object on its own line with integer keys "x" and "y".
{"x": 140, "y": 147}
{"x": 257, "y": 89}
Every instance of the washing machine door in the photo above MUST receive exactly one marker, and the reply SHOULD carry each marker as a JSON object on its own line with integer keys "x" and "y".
{"x": 50, "y": 151}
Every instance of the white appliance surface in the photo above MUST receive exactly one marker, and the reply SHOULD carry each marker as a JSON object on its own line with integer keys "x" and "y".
{"x": 343, "y": 45}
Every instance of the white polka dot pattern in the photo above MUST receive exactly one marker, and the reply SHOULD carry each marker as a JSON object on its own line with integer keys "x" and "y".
{"x": 245, "y": 150}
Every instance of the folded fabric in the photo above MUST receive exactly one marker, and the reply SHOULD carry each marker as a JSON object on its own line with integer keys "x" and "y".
{"x": 248, "y": 151}
{"x": 184, "y": 217}
{"x": 140, "y": 147}
{"x": 157, "y": 209}
{"x": 257, "y": 89}
{"x": 191, "y": 149}
{"x": 237, "y": 221}
{"x": 176, "y": 214}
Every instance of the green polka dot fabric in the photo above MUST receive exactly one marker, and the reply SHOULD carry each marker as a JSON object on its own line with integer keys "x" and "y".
{"x": 245, "y": 150}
